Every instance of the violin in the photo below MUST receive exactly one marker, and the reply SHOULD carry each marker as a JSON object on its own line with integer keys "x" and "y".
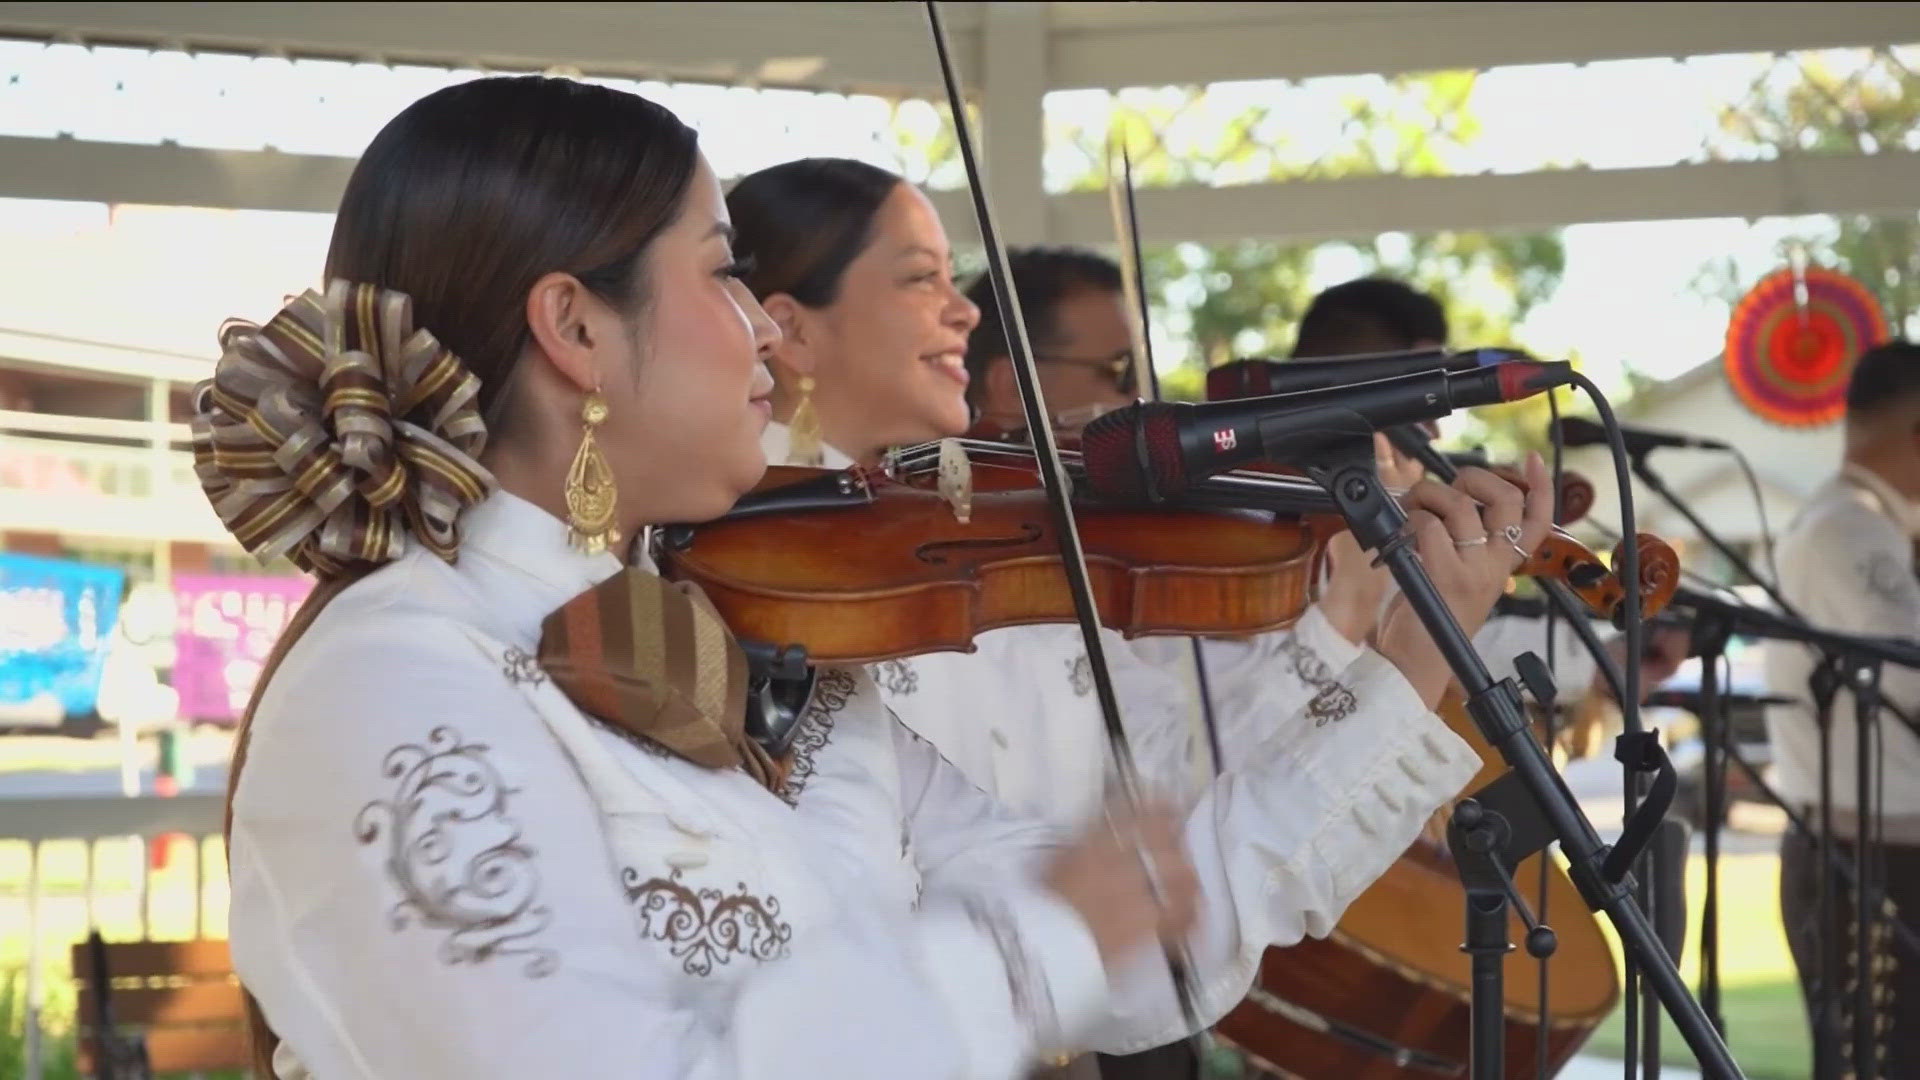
{"x": 928, "y": 551}
{"x": 1576, "y": 493}
{"x": 943, "y": 542}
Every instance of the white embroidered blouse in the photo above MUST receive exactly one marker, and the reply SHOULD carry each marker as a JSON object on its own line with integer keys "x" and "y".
{"x": 441, "y": 868}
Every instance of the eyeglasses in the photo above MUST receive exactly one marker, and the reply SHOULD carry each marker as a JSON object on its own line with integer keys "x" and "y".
{"x": 1119, "y": 368}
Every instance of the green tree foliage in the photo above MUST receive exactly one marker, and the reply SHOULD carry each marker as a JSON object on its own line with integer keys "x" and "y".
{"x": 1224, "y": 301}
{"x": 1857, "y": 109}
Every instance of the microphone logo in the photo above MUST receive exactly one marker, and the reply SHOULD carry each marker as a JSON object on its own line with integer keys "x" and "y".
{"x": 1225, "y": 439}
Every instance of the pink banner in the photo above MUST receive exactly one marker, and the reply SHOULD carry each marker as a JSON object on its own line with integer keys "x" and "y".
{"x": 224, "y": 629}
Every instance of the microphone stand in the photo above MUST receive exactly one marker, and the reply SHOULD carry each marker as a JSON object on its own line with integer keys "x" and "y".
{"x": 1856, "y": 663}
{"x": 1645, "y": 474}
{"x": 1843, "y": 665}
{"x": 1637, "y": 751}
{"x": 1602, "y": 876}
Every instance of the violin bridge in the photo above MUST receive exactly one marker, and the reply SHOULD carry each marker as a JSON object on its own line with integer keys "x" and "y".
{"x": 956, "y": 479}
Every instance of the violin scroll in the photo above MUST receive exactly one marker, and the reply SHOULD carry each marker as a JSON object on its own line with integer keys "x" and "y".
{"x": 1566, "y": 560}
{"x": 1659, "y": 572}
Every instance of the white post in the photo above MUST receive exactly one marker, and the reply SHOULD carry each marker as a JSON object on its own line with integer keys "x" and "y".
{"x": 33, "y": 1049}
{"x": 1014, "y": 54}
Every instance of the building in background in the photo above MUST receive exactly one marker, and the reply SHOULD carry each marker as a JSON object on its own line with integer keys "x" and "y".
{"x": 1788, "y": 465}
{"x": 96, "y": 472}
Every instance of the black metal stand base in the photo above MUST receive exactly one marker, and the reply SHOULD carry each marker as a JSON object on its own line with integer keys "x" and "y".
{"x": 1486, "y": 847}
{"x": 1377, "y": 523}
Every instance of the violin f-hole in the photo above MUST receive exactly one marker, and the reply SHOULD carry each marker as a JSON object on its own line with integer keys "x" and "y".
{"x": 931, "y": 552}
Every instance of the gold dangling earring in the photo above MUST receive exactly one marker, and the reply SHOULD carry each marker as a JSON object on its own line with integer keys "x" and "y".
{"x": 590, "y": 491}
{"x": 803, "y": 431}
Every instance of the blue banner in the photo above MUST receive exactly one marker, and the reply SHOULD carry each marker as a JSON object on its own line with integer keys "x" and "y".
{"x": 56, "y": 621}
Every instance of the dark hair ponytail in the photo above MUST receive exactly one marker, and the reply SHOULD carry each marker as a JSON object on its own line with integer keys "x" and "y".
{"x": 802, "y": 222}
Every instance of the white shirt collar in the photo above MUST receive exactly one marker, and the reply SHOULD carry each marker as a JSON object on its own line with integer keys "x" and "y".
{"x": 1894, "y": 505}
{"x": 777, "y": 442}
{"x": 527, "y": 545}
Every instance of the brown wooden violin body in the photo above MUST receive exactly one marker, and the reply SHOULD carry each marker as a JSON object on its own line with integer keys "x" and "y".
{"x": 891, "y": 567}
{"x": 869, "y": 565}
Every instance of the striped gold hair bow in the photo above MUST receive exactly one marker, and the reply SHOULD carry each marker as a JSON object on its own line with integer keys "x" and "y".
{"x": 337, "y": 431}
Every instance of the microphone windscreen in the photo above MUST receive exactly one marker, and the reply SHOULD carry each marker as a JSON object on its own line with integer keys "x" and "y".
{"x": 1112, "y": 448}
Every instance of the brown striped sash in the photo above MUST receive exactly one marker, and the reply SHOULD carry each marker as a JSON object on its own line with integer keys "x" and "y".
{"x": 652, "y": 658}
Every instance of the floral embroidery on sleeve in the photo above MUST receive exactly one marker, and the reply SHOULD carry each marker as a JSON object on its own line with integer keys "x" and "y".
{"x": 455, "y": 853}
{"x": 896, "y": 677}
{"x": 1886, "y": 578}
{"x": 703, "y": 927}
{"x": 1332, "y": 700}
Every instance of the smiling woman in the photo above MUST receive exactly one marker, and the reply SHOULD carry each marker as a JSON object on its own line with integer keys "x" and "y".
{"x": 874, "y": 328}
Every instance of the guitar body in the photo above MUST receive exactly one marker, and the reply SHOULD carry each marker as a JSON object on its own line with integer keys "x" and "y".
{"x": 1385, "y": 996}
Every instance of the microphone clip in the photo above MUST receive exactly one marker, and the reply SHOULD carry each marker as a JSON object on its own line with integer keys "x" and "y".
{"x": 1348, "y": 471}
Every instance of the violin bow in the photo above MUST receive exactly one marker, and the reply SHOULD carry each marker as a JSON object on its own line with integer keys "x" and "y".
{"x": 1053, "y": 477}
{"x": 1133, "y": 281}
{"x": 1126, "y": 230}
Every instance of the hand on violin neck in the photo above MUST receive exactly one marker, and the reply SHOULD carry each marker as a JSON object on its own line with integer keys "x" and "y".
{"x": 1398, "y": 472}
{"x": 1354, "y": 589}
{"x": 1462, "y": 535}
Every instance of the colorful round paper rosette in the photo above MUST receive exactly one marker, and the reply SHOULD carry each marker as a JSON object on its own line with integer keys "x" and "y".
{"x": 1789, "y": 361}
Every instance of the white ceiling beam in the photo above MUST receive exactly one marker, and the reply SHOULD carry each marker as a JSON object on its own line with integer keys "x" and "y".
{"x": 835, "y": 45}
{"x": 1367, "y": 206}
{"x": 886, "y": 46}
{"x": 1153, "y": 44}
{"x": 170, "y": 175}
{"x": 1885, "y": 183}
{"x": 123, "y": 363}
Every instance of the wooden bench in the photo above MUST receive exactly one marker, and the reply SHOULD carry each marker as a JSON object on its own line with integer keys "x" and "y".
{"x": 180, "y": 996}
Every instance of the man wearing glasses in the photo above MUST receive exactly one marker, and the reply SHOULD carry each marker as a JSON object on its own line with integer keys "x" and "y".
{"x": 1076, "y": 320}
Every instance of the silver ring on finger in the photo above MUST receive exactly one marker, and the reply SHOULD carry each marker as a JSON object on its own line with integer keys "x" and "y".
{"x": 1474, "y": 542}
{"x": 1512, "y": 535}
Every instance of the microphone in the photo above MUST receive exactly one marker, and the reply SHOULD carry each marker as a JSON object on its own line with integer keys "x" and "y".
{"x": 1580, "y": 431}
{"x": 1258, "y": 377}
{"x": 1155, "y": 449}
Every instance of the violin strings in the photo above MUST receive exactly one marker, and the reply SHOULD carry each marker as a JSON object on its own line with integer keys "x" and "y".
{"x": 1237, "y": 488}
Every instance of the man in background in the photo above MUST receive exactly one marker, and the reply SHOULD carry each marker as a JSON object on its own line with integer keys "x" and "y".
{"x": 1847, "y": 564}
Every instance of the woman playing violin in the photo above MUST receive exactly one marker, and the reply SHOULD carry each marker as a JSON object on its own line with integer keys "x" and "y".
{"x": 853, "y": 264}
{"x": 493, "y": 812}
